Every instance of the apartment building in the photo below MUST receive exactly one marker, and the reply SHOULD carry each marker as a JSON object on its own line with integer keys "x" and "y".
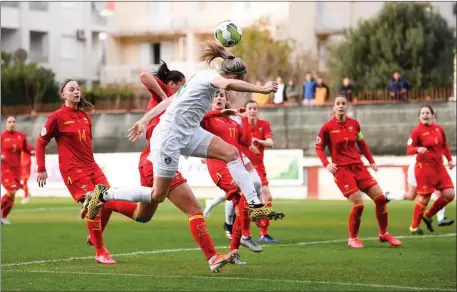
{"x": 140, "y": 34}
{"x": 65, "y": 36}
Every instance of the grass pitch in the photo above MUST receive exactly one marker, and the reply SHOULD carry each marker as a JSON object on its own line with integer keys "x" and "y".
{"x": 44, "y": 249}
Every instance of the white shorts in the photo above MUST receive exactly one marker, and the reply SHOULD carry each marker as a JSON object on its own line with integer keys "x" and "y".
{"x": 411, "y": 175}
{"x": 245, "y": 159}
{"x": 167, "y": 145}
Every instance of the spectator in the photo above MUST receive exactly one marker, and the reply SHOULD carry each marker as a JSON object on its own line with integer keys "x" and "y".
{"x": 309, "y": 89}
{"x": 398, "y": 88}
{"x": 260, "y": 98}
{"x": 322, "y": 92}
{"x": 280, "y": 95}
{"x": 293, "y": 93}
{"x": 347, "y": 89}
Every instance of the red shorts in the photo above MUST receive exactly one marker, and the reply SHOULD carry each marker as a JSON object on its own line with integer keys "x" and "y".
{"x": 352, "y": 178}
{"x": 147, "y": 176}
{"x": 260, "y": 168}
{"x": 431, "y": 177}
{"x": 85, "y": 183}
{"x": 11, "y": 179}
{"x": 224, "y": 181}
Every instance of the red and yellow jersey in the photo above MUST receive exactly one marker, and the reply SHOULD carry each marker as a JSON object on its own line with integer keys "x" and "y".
{"x": 262, "y": 131}
{"x": 13, "y": 144}
{"x": 71, "y": 129}
{"x": 342, "y": 138}
{"x": 431, "y": 137}
{"x": 154, "y": 100}
{"x": 228, "y": 130}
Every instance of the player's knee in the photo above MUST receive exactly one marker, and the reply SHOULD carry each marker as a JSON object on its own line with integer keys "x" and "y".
{"x": 449, "y": 194}
{"x": 193, "y": 209}
{"x": 232, "y": 154}
{"x": 159, "y": 196}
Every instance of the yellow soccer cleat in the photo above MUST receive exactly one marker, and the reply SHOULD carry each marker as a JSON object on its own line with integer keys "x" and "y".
{"x": 95, "y": 201}
{"x": 257, "y": 212}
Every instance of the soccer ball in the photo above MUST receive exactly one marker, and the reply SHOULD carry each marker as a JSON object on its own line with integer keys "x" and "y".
{"x": 228, "y": 33}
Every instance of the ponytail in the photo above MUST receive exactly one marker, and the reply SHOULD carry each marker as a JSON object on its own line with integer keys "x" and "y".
{"x": 213, "y": 50}
{"x": 166, "y": 75}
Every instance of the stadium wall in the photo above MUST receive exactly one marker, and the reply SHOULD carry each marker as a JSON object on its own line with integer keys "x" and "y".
{"x": 385, "y": 126}
{"x": 291, "y": 175}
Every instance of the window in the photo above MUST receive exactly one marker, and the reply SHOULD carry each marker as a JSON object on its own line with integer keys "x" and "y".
{"x": 68, "y": 47}
{"x": 38, "y": 50}
{"x": 155, "y": 53}
{"x": 9, "y": 4}
{"x": 39, "y": 6}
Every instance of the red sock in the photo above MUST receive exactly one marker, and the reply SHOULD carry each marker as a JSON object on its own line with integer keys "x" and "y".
{"x": 381, "y": 213}
{"x": 125, "y": 208}
{"x": 105, "y": 215}
{"x": 355, "y": 217}
{"x": 264, "y": 223}
{"x": 200, "y": 233}
{"x": 419, "y": 210}
{"x": 244, "y": 217}
{"x": 25, "y": 188}
{"x": 236, "y": 233}
{"x": 95, "y": 232}
{"x": 7, "y": 205}
{"x": 439, "y": 204}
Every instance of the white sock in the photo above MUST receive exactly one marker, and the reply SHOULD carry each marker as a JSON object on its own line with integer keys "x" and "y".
{"x": 242, "y": 178}
{"x": 137, "y": 194}
{"x": 440, "y": 214}
{"x": 257, "y": 182}
{"x": 398, "y": 196}
{"x": 229, "y": 212}
{"x": 216, "y": 201}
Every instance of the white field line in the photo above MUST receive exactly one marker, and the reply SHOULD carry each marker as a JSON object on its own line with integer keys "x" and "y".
{"x": 162, "y": 251}
{"x": 45, "y": 209}
{"x": 288, "y": 281}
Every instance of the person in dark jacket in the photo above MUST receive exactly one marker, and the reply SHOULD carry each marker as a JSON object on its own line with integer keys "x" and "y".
{"x": 347, "y": 89}
{"x": 398, "y": 88}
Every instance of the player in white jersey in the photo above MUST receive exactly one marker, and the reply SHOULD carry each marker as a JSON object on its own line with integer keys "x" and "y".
{"x": 179, "y": 133}
{"x": 411, "y": 194}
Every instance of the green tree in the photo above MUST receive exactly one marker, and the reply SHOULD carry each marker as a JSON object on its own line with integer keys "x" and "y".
{"x": 26, "y": 84}
{"x": 265, "y": 56}
{"x": 408, "y": 37}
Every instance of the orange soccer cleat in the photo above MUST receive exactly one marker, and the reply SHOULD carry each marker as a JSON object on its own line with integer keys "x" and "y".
{"x": 355, "y": 243}
{"x": 390, "y": 239}
{"x": 221, "y": 260}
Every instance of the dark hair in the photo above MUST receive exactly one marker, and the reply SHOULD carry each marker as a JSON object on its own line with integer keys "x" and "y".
{"x": 429, "y": 107}
{"x": 250, "y": 101}
{"x": 230, "y": 65}
{"x": 166, "y": 75}
{"x": 82, "y": 102}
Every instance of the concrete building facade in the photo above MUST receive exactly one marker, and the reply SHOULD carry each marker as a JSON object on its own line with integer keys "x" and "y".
{"x": 140, "y": 34}
{"x": 65, "y": 36}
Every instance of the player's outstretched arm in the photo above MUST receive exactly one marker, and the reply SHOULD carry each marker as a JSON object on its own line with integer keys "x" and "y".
{"x": 243, "y": 86}
{"x": 140, "y": 126}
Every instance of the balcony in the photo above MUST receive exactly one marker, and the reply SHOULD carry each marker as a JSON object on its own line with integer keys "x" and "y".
{"x": 38, "y": 58}
{"x": 170, "y": 27}
{"x": 128, "y": 74}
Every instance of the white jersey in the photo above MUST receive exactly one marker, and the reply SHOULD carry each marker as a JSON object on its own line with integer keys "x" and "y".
{"x": 237, "y": 119}
{"x": 191, "y": 103}
{"x": 411, "y": 174}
